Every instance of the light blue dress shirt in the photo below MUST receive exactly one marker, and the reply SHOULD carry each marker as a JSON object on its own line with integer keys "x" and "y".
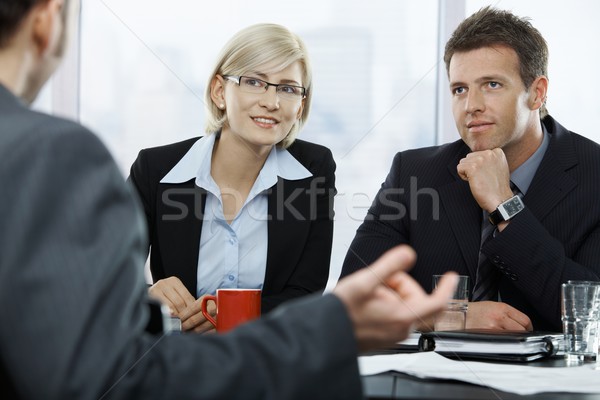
{"x": 523, "y": 175}
{"x": 233, "y": 255}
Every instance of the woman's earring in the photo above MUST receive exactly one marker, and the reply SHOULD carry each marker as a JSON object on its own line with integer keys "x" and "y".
{"x": 221, "y": 106}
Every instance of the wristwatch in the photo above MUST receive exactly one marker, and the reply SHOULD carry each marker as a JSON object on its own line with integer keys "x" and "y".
{"x": 506, "y": 210}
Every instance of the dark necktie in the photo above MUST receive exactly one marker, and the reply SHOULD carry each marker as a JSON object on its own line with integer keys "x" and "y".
{"x": 486, "y": 282}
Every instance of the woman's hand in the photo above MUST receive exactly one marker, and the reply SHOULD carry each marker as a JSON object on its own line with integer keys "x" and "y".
{"x": 172, "y": 292}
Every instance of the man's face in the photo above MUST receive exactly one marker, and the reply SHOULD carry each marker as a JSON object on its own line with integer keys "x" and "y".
{"x": 489, "y": 100}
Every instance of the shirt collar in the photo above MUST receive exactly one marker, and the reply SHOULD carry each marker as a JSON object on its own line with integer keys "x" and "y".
{"x": 523, "y": 175}
{"x": 193, "y": 163}
{"x": 196, "y": 164}
{"x": 279, "y": 163}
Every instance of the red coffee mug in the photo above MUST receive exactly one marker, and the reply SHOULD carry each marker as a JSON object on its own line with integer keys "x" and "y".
{"x": 234, "y": 307}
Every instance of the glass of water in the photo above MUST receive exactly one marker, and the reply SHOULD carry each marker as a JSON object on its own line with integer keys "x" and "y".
{"x": 597, "y": 332}
{"x": 454, "y": 317}
{"x": 580, "y": 308}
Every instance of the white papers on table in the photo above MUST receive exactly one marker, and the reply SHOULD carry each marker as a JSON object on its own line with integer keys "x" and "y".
{"x": 512, "y": 378}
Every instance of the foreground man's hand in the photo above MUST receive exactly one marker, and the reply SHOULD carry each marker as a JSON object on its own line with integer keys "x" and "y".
{"x": 384, "y": 302}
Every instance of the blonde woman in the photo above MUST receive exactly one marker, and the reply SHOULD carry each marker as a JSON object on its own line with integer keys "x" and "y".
{"x": 248, "y": 205}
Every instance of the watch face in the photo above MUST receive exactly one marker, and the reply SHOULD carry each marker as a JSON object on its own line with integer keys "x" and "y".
{"x": 513, "y": 206}
{"x": 506, "y": 210}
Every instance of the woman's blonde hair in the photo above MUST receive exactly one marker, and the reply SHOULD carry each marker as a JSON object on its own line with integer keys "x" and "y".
{"x": 251, "y": 49}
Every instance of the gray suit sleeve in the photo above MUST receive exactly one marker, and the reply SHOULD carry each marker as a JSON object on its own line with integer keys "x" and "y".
{"x": 72, "y": 297}
{"x": 71, "y": 265}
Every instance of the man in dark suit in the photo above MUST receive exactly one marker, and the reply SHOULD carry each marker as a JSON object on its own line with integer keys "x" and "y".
{"x": 514, "y": 204}
{"x": 72, "y": 294}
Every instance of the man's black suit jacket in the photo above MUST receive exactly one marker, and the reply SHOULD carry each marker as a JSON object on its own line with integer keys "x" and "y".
{"x": 300, "y": 226}
{"x": 424, "y": 203}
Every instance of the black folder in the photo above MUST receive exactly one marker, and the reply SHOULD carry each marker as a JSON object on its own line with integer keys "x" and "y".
{"x": 489, "y": 344}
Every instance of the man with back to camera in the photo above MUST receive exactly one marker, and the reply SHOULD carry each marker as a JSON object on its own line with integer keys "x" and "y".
{"x": 72, "y": 292}
{"x": 518, "y": 182}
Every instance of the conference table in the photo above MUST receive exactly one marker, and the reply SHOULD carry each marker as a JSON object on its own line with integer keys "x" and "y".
{"x": 394, "y": 385}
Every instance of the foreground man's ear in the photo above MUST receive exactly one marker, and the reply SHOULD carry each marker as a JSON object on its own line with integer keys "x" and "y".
{"x": 46, "y": 23}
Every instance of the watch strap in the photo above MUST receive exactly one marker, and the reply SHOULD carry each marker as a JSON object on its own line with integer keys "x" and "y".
{"x": 495, "y": 217}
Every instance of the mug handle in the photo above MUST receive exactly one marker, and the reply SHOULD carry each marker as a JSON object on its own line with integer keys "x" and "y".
{"x": 203, "y": 305}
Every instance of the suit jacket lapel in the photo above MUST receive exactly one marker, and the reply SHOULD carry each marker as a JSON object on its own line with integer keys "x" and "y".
{"x": 179, "y": 227}
{"x": 285, "y": 227}
{"x": 551, "y": 183}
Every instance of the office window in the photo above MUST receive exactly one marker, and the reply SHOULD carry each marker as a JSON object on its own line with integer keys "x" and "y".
{"x": 145, "y": 64}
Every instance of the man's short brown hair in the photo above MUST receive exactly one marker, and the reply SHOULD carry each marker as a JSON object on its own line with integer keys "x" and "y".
{"x": 491, "y": 26}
